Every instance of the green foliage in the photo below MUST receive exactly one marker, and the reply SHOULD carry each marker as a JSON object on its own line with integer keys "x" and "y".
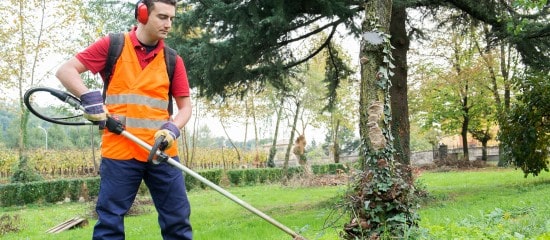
{"x": 24, "y": 172}
{"x": 347, "y": 142}
{"x": 243, "y": 177}
{"x": 486, "y": 204}
{"x": 213, "y": 176}
{"x": 332, "y": 168}
{"x": 59, "y": 137}
{"x": 235, "y": 176}
{"x": 336, "y": 70}
{"x": 526, "y": 133}
{"x": 47, "y": 191}
{"x": 58, "y": 190}
{"x": 271, "y": 157}
{"x": 247, "y": 41}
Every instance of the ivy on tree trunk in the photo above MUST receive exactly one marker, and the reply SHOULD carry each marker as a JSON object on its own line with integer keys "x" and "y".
{"x": 380, "y": 200}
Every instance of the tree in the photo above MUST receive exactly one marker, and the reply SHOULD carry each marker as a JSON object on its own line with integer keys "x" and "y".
{"x": 521, "y": 24}
{"x": 527, "y": 132}
{"x": 340, "y": 104}
{"x": 381, "y": 201}
{"x": 345, "y": 142}
{"x": 278, "y": 116}
{"x": 457, "y": 95}
{"x": 228, "y": 111}
{"x": 239, "y": 42}
{"x": 502, "y": 64}
{"x": 303, "y": 101}
{"x": 38, "y": 27}
{"x": 400, "y": 126}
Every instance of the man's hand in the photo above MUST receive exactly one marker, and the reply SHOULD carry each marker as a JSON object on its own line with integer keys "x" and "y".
{"x": 170, "y": 132}
{"x": 94, "y": 110}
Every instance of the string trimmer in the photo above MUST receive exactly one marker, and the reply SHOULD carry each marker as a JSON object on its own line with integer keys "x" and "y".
{"x": 74, "y": 117}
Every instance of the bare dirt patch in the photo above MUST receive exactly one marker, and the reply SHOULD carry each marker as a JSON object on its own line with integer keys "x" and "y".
{"x": 320, "y": 180}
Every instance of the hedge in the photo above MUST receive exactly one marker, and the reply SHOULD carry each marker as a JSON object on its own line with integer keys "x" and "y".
{"x": 57, "y": 190}
{"x": 48, "y": 191}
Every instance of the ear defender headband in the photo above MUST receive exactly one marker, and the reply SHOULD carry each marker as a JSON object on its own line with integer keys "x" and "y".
{"x": 142, "y": 14}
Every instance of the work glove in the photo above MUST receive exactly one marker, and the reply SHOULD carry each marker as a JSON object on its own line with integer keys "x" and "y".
{"x": 94, "y": 110}
{"x": 170, "y": 132}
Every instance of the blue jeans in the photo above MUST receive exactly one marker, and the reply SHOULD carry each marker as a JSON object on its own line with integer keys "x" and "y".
{"x": 120, "y": 180}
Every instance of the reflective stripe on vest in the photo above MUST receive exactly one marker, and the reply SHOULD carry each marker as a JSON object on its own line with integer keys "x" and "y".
{"x": 138, "y": 98}
{"x": 139, "y": 123}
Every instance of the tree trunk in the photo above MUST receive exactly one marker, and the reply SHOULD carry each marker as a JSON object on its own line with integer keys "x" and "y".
{"x": 245, "y": 124}
{"x": 336, "y": 145}
{"x": 484, "y": 150}
{"x": 257, "y": 162}
{"x": 239, "y": 158}
{"x": 464, "y": 131}
{"x": 273, "y": 149}
{"x": 23, "y": 173}
{"x": 398, "y": 91}
{"x": 400, "y": 126}
{"x": 290, "y": 142}
{"x": 92, "y": 143}
{"x": 504, "y": 70}
{"x": 382, "y": 194}
{"x": 196, "y": 111}
{"x": 185, "y": 148}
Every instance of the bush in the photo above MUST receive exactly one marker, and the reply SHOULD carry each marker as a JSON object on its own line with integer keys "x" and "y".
{"x": 213, "y": 176}
{"x": 332, "y": 168}
{"x": 235, "y": 176}
{"x": 25, "y": 173}
{"x": 58, "y": 190}
{"x": 47, "y": 191}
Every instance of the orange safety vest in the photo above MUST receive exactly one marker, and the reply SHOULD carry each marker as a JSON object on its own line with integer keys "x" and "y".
{"x": 139, "y": 99}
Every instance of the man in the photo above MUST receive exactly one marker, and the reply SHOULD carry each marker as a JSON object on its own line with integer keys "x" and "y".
{"x": 137, "y": 95}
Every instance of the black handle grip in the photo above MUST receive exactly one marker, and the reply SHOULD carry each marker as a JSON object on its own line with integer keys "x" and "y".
{"x": 160, "y": 144}
{"x": 114, "y": 125}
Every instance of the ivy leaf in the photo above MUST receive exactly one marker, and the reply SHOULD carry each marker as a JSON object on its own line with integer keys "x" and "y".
{"x": 367, "y": 203}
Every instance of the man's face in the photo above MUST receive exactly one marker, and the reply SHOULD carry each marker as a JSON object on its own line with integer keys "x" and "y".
{"x": 160, "y": 20}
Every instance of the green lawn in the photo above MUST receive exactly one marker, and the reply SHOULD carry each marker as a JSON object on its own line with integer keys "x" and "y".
{"x": 213, "y": 216}
{"x": 484, "y": 204}
{"x": 487, "y": 204}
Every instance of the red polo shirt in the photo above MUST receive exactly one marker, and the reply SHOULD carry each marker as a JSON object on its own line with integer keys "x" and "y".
{"x": 94, "y": 57}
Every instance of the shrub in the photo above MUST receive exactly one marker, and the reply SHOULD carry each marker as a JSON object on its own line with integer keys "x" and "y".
{"x": 47, "y": 191}
{"x": 213, "y": 176}
{"x": 57, "y": 190}
{"x": 235, "y": 176}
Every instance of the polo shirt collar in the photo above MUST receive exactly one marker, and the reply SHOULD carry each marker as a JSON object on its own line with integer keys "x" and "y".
{"x": 135, "y": 41}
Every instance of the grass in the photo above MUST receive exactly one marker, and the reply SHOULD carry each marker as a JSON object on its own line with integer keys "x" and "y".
{"x": 485, "y": 204}
{"x": 304, "y": 210}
